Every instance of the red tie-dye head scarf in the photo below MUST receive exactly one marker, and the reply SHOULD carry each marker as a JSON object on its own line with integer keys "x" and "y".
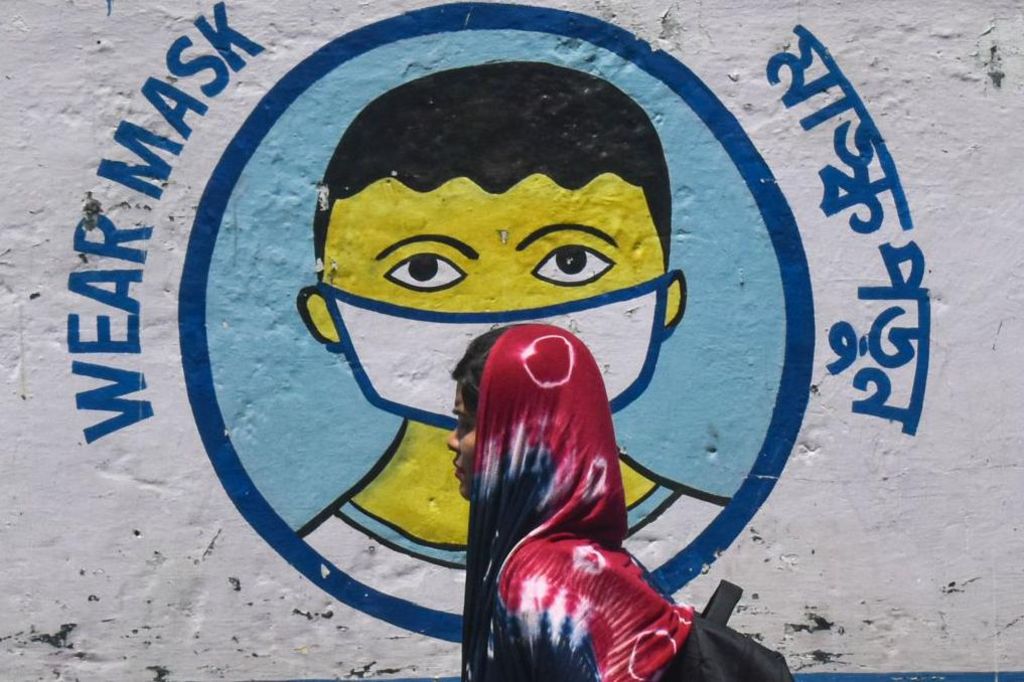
{"x": 550, "y": 593}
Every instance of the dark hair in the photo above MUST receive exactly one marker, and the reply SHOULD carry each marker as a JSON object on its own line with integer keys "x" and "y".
{"x": 497, "y": 124}
{"x": 469, "y": 371}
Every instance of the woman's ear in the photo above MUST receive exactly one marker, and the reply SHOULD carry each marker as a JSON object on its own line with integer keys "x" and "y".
{"x": 313, "y": 310}
{"x": 675, "y": 304}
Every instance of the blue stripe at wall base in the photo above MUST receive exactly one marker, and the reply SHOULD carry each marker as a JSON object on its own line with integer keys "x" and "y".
{"x": 911, "y": 677}
{"x": 820, "y": 677}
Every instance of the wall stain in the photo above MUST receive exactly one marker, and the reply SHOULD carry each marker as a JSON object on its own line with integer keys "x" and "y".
{"x": 815, "y": 623}
{"x": 58, "y": 639}
{"x": 210, "y": 547}
{"x": 995, "y": 67}
{"x": 160, "y": 673}
{"x": 670, "y": 25}
{"x": 820, "y": 656}
{"x": 91, "y": 211}
{"x": 361, "y": 673}
{"x": 326, "y": 614}
{"x": 816, "y": 657}
{"x": 997, "y": 334}
{"x": 952, "y": 587}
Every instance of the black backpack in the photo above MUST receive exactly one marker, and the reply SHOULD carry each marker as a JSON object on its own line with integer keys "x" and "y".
{"x": 714, "y": 652}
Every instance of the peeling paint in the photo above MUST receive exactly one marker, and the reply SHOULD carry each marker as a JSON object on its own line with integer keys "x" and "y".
{"x": 160, "y": 673}
{"x": 212, "y": 545}
{"x": 952, "y": 587}
{"x": 995, "y": 70}
{"x": 91, "y": 211}
{"x": 815, "y": 623}
{"x": 58, "y": 639}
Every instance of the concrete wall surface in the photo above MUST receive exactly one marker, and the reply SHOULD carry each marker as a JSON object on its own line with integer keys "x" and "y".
{"x": 244, "y": 242}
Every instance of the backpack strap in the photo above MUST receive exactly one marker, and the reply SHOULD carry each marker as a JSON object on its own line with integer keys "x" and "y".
{"x": 723, "y": 601}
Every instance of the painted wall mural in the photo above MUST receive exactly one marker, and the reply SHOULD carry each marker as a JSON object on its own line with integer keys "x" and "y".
{"x": 282, "y": 294}
{"x": 545, "y": 167}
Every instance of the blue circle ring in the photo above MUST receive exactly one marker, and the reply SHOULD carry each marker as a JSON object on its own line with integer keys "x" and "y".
{"x": 799, "y": 343}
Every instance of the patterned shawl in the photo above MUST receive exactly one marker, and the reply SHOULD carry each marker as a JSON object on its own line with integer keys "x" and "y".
{"x": 551, "y": 595}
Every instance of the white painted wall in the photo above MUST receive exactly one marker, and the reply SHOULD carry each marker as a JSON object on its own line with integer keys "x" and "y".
{"x": 911, "y": 547}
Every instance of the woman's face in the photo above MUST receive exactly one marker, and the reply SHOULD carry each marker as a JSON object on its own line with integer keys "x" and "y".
{"x": 462, "y": 441}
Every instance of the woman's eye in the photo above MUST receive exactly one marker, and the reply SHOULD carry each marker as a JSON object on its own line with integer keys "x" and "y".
{"x": 572, "y": 265}
{"x": 426, "y": 272}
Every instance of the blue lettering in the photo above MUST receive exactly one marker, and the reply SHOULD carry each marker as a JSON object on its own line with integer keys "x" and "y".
{"x": 223, "y": 37}
{"x": 113, "y": 237}
{"x": 103, "y": 343}
{"x": 108, "y": 398}
{"x": 161, "y": 93}
{"x": 184, "y": 69}
{"x": 85, "y": 284}
{"x": 139, "y": 140}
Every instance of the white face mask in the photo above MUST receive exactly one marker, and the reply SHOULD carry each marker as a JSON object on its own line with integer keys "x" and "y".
{"x": 402, "y": 357}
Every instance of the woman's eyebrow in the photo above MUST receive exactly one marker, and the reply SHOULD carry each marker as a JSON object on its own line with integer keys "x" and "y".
{"x": 464, "y": 248}
{"x": 548, "y": 229}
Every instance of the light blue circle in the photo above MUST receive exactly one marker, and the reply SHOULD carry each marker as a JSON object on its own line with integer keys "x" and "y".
{"x": 301, "y": 427}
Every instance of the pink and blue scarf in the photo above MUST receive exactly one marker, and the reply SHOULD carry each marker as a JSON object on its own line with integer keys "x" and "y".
{"x": 551, "y": 595}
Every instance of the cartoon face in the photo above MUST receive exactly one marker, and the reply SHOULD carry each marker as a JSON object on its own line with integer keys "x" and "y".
{"x": 479, "y": 197}
{"x": 459, "y": 248}
{"x": 516, "y": 171}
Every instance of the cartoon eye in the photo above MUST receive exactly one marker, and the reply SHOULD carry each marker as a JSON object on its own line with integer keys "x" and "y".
{"x": 426, "y": 272}
{"x": 572, "y": 265}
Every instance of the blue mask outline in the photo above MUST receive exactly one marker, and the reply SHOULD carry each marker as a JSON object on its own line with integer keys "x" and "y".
{"x": 659, "y": 333}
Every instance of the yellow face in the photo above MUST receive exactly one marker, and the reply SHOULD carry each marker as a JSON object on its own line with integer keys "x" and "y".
{"x": 459, "y": 248}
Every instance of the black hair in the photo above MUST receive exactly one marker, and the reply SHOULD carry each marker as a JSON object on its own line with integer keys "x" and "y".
{"x": 469, "y": 371}
{"x": 497, "y": 124}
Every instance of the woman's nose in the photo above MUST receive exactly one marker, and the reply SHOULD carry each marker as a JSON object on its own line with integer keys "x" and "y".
{"x": 453, "y": 441}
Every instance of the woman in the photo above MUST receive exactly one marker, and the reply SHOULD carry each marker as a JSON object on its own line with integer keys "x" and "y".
{"x": 550, "y": 592}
